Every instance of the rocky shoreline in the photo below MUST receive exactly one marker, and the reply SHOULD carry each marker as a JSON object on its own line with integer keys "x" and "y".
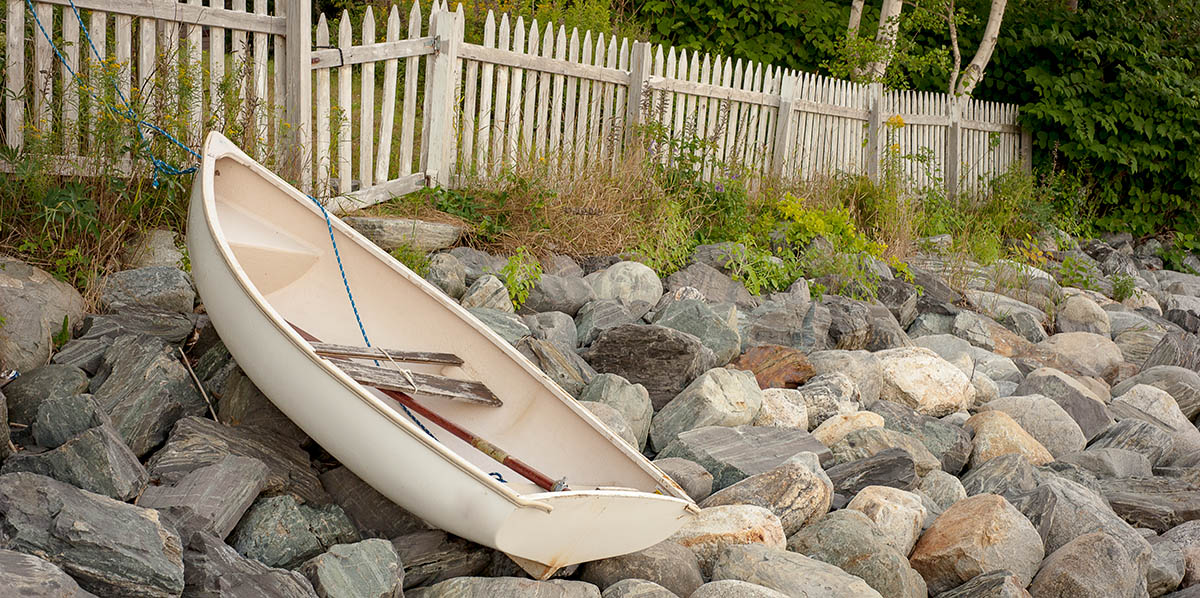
{"x": 974, "y": 432}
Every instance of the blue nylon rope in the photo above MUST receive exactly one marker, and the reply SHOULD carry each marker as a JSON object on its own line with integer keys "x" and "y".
{"x": 159, "y": 165}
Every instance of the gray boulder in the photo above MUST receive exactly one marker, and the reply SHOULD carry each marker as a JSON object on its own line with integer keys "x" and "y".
{"x": 241, "y": 403}
{"x": 447, "y": 273}
{"x": 30, "y": 577}
{"x": 1045, "y": 420}
{"x": 564, "y": 294}
{"x": 279, "y": 532}
{"x": 667, "y": 564}
{"x": 942, "y": 488}
{"x": 719, "y": 397}
{"x": 661, "y": 359}
{"x": 553, "y": 326}
{"x": 850, "y": 323}
{"x": 109, "y": 547}
{"x": 1176, "y": 348}
{"x": 28, "y": 391}
{"x": 798, "y": 492}
{"x": 1137, "y": 436}
{"x": 732, "y": 588}
{"x": 1152, "y": 502}
{"x": 1087, "y": 409}
{"x": 170, "y": 326}
{"x": 716, "y": 286}
{"x": 421, "y": 235}
{"x": 506, "y": 324}
{"x": 487, "y": 292}
{"x": 161, "y": 287}
{"x": 562, "y": 365}
{"x": 632, "y": 401}
{"x": 211, "y": 499}
{"x": 634, "y": 284}
{"x": 96, "y": 460}
{"x": 691, "y": 476}
{"x": 697, "y": 318}
{"x": 62, "y": 417}
{"x": 613, "y": 420}
{"x": 434, "y": 556}
{"x": 34, "y": 305}
{"x": 732, "y": 454}
{"x": 995, "y": 584}
{"x": 1006, "y": 475}
{"x": 373, "y": 513}
{"x": 1080, "y": 314}
{"x": 506, "y": 587}
{"x": 900, "y": 298}
{"x": 1110, "y": 462}
{"x": 1182, "y": 384}
{"x": 827, "y": 395}
{"x": 861, "y": 367}
{"x": 866, "y": 442}
{"x": 597, "y": 316}
{"x": 792, "y": 574}
{"x": 213, "y": 569}
{"x": 849, "y": 540}
{"x": 1094, "y": 565}
{"x": 891, "y": 467}
{"x": 367, "y": 569}
{"x": 886, "y": 332}
{"x": 637, "y": 588}
{"x": 949, "y": 443}
{"x": 1166, "y": 567}
{"x": 477, "y": 263}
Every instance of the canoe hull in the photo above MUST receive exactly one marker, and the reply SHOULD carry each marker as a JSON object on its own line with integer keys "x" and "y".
{"x": 370, "y": 437}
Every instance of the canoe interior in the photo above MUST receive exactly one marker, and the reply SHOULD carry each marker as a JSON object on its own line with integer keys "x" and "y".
{"x": 282, "y": 243}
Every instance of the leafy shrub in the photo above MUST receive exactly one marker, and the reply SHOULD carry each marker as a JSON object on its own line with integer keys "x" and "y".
{"x": 520, "y": 274}
{"x": 1123, "y": 287}
{"x": 413, "y": 258}
{"x": 1073, "y": 273}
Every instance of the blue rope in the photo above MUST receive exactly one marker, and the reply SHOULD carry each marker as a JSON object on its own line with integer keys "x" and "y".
{"x": 354, "y": 306}
{"x": 160, "y": 166}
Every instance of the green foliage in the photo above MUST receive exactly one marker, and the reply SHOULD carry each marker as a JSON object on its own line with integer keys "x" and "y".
{"x": 414, "y": 259}
{"x": 1074, "y": 273}
{"x": 520, "y": 274}
{"x": 1123, "y": 286}
{"x": 63, "y": 335}
{"x": 919, "y": 51}
{"x": 1173, "y": 255}
{"x": 800, "y": 34}
{"x": 802, "y": 225}
{"x": 760, "y": 271}
{"x": 669, "y": 239}
{"x": 1114, "y": 90}
{"x": 483, "y": 210}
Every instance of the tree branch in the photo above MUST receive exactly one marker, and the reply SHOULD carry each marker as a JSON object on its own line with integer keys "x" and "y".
{"x": 974, "y": 71}
{"x": 953, "y": 83}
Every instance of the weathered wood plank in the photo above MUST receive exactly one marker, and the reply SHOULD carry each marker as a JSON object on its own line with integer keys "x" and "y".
{"x": 321, "y": 185}
{"x": 543, "y": 64}
{"x": 369, "y": 53}
{"x": 411, "y": 64}
{"x": 345, "y": 110}
{"x": 352, "y": 352}
{"x": 206, "y": 16}
{"x": 418, "y": 383}
{"x": 387, "y": 119}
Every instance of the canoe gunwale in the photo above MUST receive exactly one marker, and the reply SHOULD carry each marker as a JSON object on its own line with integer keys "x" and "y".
{"x": 216, "y": 147}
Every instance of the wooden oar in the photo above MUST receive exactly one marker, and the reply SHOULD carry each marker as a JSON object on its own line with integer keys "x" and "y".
{"x": 523, "y": 469}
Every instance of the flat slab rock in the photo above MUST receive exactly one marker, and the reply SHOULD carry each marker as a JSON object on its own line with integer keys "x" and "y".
{"x": 734, "y": 454}
{"x": 109, "y": 547}
{"x": 369, "y": 569}
{"x": 372, "y": 512}
{"x": 506, "y": 587}
{"x": 211, "y": 499}
{"x": 434, "y": 556}
{"x": 215, "y": 570}
{"x": 196, "y": 442}
{"x": 30, "y": 577}
{"x": 390, "y": 233}
{"x": 662, "y": 359}
{"x": 280, "y": 533}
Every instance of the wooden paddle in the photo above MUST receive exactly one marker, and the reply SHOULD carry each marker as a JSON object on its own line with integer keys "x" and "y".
{"x": 523, "y": 469}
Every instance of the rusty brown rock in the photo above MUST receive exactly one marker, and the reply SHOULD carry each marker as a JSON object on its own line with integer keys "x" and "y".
{"x": 974, "y": 536}
{"x": 775, "y": 366}
{"x": 997, "y": 433}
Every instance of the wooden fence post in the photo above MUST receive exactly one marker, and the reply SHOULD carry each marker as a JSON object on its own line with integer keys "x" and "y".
{"x": 639, "y": 69}
{"x": 439, "y": 121}
{"x": 298, "y": 101}
{"x": 1027, "y": 150}
{"x": 954, "y": 147}
{"x": 785, "y": 126}
{"x": 875, "y": 132}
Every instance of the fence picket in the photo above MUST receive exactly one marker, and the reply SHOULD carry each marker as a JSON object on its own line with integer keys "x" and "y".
{"x": 572, "y": 110}
{"x": 500, "y": 114}
{"x": 581, "y": 107}
{"x": 70, "y": 89}
{"x": 14, "y": 75}
{"x": 43, "y": 70}
{"x": 467, "y": 129}
{"x": 594, "y": 142}
{"x": 367, "y": 163}
{"x": 216, "y": 61}
{"x": 513, "y": 135}
{"x": 240, "y": 64}
{"x": 622, "y": 93}
{"x": 544, "y": 101}
{"x": 529, "y": 112}
{"x": 387, "y": 114}
{"x": 321, "y": 185}
{"x": 485, "y": 98}
{"x": 345, "y": 110}
{"x": 606, "y": 141}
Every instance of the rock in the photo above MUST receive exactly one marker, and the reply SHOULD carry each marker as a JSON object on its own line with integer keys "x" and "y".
{"x": 828, "y": 395}
{"x": 713, "y": 284}
{"x": 155, "y": 247}
{"x": 241, "y": 403}
{"x": 792, "y": 574}
{"x": 1077, "y": 400}
{"x": 613, "y": 420}
{"x": 1138, "y": 436}
{"x": 109, "y": 547}
{"x": 996, "y": 584}
{"x": 561, "y": 265}
{"x": 506, "y": 324}
{"x": 28, "y": 391}
{"x": 196, "y": 442}
{"x": 144, "y": 389}
{"x": 1110, "y": 462}
{"x": 1152, "y": 502}
{"x": 213, "y": 569}
{"x": 918, "y": 378}
{"x": 373, "y": 514}
{"x": 1006, "y": 475}
{"x": 632, "y": 283}
{"x": 1182, "y": 384}
{"x": 798, "y": 492}
{"x": 803, "y": 326}
{"x": 562, "y": 365}
{"x": 691, "y": 476}
{"x": 211, "y": 499}
{"x": 506, "y": 587}
{"x": 1080, "y": 314}
{"x": 165, "y": 288}
{"x": 1158, "y": 408}
{"x": 31, "y": 577}
{"x": 1178, "y": 349}
{"x": 719, "y": 397}
{"x": 84, "y": 354}
{"x": 850, "y": 324}
{"x": 950, "y": 348}
{"x": 1044, "y": 420}
{"x": 848, "y": 539}
{"x": 897, "y": 514}
{"x": 775, "y": 366}
{"x": 864, "y": 443}
{"x": 949, "y": 443}
{"x": 1001, "y": 307}
{"x": 660, "y": 358}
{"x": 1093, "y": 564}
{"x": 974, "y": 536}
{"x": 900, "y": 298}
{"x": 637, "y": 588}
{"x": 35, "y": 305}
{"x": 782, "y": 408}
{"x": 367, "y": 569}
{"x": 172, "y": 327}
{"x": 61, "y": 417}
{"x": 1136, "y": 345}
{"x": 597, "y": 316}
{"x": 942, "y": 488}
{"x": 278, "y": 532}
{"x": 1062, "y": 510}
{"x": 732, "y": 588}
{"x": 632, "y": 401}
{"x": 891, "y": 467}
{"x": 1187, "y": 536}
{"x": 667, "y": 564}
{"x": 433, "y": 556}
{"x": 717, "y": 528}
{"x": 734, "y": 454}
{"x": 391, "y": 233}
{"x": 487, "y": 292}
{"x": 477, "y": 263}
{"x": 1184, "y": 311}
{"x": 554, "y": 327}
{"x": 696, "y": 318}
{"x": 96, "y": 460}
{"x": 886, "y": 332}
{"x": 447, "y": 274}
{"x": 1166, "y": 567}
{"x": 564, "y": 294}
{"x": 1089, "y": 354}
{"x": 834, "y": 429}
{"x": 861, "y": 367}
{"x": 998, "y": 434}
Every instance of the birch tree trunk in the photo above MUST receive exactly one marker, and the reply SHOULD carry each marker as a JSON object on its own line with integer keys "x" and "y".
{"x": 889, "y": 27}
{"x": 856, "y": 10}
{"x": 974, "y": 72}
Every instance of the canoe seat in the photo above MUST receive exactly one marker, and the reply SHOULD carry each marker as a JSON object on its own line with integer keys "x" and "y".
{"x": 385, "y": 378}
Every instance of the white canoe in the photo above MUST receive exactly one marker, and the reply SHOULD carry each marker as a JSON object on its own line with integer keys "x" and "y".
{"x": 263, "y": 262}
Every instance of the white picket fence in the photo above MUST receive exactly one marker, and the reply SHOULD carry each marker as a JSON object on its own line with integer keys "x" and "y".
{"x": 373, "y": 115}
